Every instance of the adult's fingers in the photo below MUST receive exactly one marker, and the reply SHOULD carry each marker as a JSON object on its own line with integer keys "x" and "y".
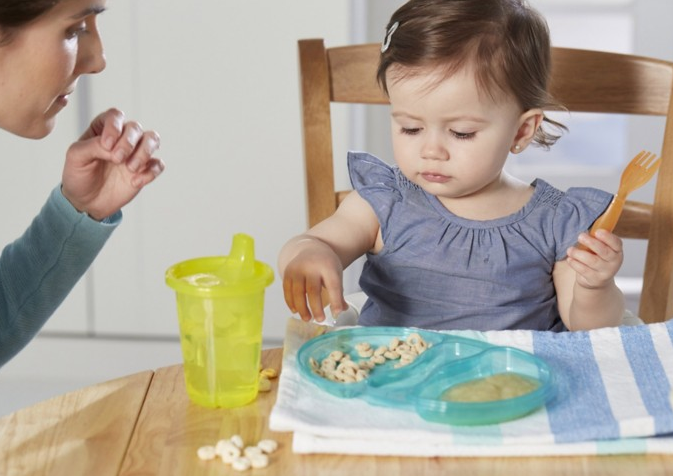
{"x": 144, "y": 148}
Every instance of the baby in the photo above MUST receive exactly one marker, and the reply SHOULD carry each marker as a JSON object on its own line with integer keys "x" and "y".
{"x": 453, "y": 241}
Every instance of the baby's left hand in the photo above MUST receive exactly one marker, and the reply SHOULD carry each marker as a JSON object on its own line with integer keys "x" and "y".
{"x": 598, "y": 265}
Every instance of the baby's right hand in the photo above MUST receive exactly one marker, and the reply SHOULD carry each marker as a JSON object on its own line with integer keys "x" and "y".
{"x": 315, "y": 266}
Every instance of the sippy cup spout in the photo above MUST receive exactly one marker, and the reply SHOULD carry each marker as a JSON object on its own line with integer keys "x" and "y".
{"x": 240, "y": 264}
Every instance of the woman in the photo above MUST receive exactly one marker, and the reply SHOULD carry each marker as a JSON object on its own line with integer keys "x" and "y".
{"x": 45, "y": 46}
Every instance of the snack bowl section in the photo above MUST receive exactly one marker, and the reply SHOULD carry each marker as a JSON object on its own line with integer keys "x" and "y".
{"x": 446, "y": 365}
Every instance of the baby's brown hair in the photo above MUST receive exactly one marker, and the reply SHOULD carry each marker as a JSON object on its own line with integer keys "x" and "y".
{"x": 505, "y": 41}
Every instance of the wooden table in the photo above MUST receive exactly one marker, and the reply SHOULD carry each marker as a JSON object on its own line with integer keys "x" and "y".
{"x": 144, "y": 424}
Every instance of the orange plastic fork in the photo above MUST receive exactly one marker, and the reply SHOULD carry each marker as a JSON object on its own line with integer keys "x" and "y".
{"x": 636, "y": 174}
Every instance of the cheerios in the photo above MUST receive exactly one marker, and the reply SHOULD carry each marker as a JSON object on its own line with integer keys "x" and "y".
{"x": 234, "y": 452}
{"x": 241, "y": 463}
{"x": 339, "y": 367}
{"x": 206, "y": 453}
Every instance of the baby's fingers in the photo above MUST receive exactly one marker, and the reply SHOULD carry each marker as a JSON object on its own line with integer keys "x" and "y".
{"x": 314, "y": 298}
{"x": 606, "y": 251}
{"x": 335, "y": 294}
{"x": 612, "y": 241}
{"x": 295, "y": 291}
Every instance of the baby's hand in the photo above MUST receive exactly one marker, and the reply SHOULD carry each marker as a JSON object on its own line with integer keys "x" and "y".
{"x": 314, "y": 267}
{"x": 598, "y": 266}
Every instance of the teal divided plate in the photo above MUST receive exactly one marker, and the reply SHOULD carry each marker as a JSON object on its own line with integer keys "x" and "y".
{"x": 449, "y": 361}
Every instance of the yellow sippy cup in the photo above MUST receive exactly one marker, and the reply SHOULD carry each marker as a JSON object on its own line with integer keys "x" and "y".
{"x": 220, "y": 312}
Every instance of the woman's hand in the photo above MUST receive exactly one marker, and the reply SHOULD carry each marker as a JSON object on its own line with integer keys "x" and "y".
{"x": 110, "y": 163}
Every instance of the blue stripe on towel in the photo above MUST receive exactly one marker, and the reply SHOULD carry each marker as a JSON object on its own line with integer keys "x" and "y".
{"x": 581, "y": 410}
{"x": 648, "y": 372}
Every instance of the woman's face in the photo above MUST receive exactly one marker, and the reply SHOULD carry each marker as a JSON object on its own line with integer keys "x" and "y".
{"x": 40, "y": 66}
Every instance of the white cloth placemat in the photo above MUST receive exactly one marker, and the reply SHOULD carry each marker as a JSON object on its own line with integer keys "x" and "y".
{"x": 613, "y": 398}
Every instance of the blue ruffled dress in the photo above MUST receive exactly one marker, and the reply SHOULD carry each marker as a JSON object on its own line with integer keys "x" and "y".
{"x": 440, "y": 271}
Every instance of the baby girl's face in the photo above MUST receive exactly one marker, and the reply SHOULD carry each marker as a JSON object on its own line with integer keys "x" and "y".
{"x": 448, "y": 137}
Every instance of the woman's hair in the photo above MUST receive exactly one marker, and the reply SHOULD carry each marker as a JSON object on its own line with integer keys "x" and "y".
{"x": 16, "y": 13}
{"x": 505, "y": 41}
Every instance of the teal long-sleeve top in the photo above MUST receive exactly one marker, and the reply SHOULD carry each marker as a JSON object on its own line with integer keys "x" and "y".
{"x": 38, "y": 270}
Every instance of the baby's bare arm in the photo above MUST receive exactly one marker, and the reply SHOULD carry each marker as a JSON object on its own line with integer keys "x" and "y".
{"x": 316, "y": 259}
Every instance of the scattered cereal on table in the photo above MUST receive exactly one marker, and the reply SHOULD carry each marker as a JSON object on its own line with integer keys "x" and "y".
{"x": 269, "y": 373}
{"x": 206, "y": 453}
{"x": 234, "y": 452}
{"x": 264, "y": 384}
{"x": 237, "y": 440}
{"x": 259, "y": 460}
{"x": 226, "y": 449}
{"x": 268, "y": 446}
{"x": 241, "y": 464}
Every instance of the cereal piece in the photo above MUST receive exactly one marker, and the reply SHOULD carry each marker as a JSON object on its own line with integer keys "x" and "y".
{"x": 413, "y": 339}
{"x": 227, "y": 447}
{"x": 348, "y": 367}
{"x": 241, "y": 464}
{"x": 268, "y": 445}
{"x": 336, "y": 355}
{"x": 346, "y": 378}
{"x": 259, "y": 460}
{"x": 382, "y": 349}
{"x": 270, "y": 373}
{"x": 206, "y": 453}
{"x": 332, "y": 376}
{"x": 350, "y": 371}
{"x": 360, "y": 375}
{"x": 363, "y": 346}
{"x": 366, "y": 353}
{"x": 264, "y": 384}
{"x": 366, "y": 364}
{"x": 392, "y": 355}
{"x": 378, "y": 359}
{"x": 237, "y": 441}
{"x": 421, "y": 346}
{"x": 249, "y": 451}
{"x": 328, "y": 365}
{"x": 403, "y": 347}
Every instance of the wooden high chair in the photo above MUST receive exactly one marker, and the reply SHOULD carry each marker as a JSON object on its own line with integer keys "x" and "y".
{"x": 582, "y": 80}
